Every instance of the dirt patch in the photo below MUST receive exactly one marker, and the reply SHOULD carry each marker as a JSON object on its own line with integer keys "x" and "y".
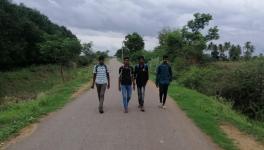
{"x": 242, "y": 140}
{"x": 25, "y": 132}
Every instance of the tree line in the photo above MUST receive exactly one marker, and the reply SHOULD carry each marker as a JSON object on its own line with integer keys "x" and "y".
{"x": 29, "y": 37}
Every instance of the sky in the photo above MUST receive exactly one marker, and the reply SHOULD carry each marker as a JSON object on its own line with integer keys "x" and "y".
{"x": 106, "y": 22}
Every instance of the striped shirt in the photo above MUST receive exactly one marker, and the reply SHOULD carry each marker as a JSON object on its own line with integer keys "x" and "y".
{"x": 101, "y": 74}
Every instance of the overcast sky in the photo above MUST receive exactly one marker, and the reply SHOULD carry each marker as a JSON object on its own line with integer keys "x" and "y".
{"x": 106, "y": 22}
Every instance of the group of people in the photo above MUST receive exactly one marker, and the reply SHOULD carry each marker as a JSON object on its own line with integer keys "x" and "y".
{"x": 129, "y": 78}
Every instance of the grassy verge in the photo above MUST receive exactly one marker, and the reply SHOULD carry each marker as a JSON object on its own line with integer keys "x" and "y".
{"x": 209, "y": 113}
{"x": 15, "y": 116}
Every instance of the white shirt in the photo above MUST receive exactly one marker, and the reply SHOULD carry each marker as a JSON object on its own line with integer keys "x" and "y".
{"x": 101, "y": 74}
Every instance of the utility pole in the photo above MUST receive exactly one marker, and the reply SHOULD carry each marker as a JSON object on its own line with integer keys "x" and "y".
{"x": 122, "y": 50}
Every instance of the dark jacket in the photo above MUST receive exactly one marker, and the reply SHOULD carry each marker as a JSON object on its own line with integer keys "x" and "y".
{"x": 126, "y": 75}
{"x": 141, "y": 74}
{"x": 163, "y": 74}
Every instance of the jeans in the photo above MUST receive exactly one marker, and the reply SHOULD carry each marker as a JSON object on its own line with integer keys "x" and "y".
{"x": 101, "y": 91}
{"x": 141, "y": 95}
{"x": 163, "y": 89}
{"x": 126, "y": 93}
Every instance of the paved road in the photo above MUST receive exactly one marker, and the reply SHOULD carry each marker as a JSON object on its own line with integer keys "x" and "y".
{"x": 79, "y": 126}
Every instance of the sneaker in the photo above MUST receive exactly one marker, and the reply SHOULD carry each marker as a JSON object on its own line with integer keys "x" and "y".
{"x": 160, "y": 105}
{"x": 101, "y": 111}
{"x": 164, "y": 107}
{"x": 142, "y": 109}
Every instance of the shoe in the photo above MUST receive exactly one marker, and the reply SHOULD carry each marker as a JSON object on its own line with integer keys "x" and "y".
{"x": 101, "y": 111}
{"x": 125, "y": 111}
{"x": 164, "y": 107}
{"x": 142, "y": 109}
{"x": 160, "y": 105}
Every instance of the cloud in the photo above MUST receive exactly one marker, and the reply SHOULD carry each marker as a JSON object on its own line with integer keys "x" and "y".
{"x": 106, "y": 22}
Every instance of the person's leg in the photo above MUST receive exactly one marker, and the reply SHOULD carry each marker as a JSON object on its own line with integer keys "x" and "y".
{"x": 142, "y": 95}
{"x": 161, "y": 92}
{"x": 129, "y": 92}
{"x": 98, "y": 86}
{"x": 139, "y": 91}
{"x": 165, "y": 93}
{"x": 102, "y": 92}
{"x": 124, "y": 95}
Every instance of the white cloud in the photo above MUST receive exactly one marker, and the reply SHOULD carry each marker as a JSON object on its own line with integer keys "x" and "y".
{"x": 106, "y": 22}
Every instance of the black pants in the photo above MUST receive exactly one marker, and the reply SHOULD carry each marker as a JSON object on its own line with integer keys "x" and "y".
{"x": 141, "y": 95}
{"x": 163, "y": 89}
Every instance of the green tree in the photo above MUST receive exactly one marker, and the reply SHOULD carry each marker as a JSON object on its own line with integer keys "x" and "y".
{"x": 234, "y": 52}
{"x": 134, "y": 42}
{"x": 248, "y": 50}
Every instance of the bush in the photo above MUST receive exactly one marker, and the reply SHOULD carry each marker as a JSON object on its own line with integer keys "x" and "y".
{"x": 242, "y": 83}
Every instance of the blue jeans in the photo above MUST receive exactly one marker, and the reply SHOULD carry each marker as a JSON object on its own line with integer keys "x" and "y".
{"x": 126, "y": 93}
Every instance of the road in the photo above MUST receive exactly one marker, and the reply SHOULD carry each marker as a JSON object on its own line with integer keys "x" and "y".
{"x": 79, "y": 126}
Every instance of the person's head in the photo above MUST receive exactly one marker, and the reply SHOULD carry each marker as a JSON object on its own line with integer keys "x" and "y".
{"x": 165, "y": 59}
{"x": 126, "y": 60}
{"x": 141, "y": 59}
{"x": 101, "y": 59}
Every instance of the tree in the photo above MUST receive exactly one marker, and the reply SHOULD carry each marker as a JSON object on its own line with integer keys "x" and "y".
{"x": 60, "y": 50}
{"x": 234, "y": 52}
{"x": 134, "y": 42}
{"x": 248, "y": 50}
{"x": 87, "y": 49}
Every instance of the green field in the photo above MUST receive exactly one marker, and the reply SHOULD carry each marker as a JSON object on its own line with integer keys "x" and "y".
{"x": 34, "y": 92}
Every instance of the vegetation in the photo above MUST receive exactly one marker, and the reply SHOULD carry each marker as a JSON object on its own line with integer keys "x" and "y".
{"x": 209, "y": 113}
{"x": 30, "y": 36}
{"x": 49, "y": 96}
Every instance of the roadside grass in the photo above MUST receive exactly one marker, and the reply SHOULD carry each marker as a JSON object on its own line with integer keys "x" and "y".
{"x": 15, "y": 116}
{"x": 209, "y": 113}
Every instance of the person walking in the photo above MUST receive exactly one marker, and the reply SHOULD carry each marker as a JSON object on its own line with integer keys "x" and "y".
{"x": 102, "y": 79}
{"x": 163, "y": 79}
{"x": 126, "y": 79}
{"x": 141, "y": 76}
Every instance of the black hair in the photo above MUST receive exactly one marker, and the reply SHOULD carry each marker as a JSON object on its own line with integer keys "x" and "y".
{"x": 126, "y": 58}
{"x": 165, "y": 57}
{"x": 101, "y": 57}
{"x": 141, "y": 57}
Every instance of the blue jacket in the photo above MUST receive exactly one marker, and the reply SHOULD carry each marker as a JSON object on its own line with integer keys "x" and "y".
{"x": 163, "y": 74}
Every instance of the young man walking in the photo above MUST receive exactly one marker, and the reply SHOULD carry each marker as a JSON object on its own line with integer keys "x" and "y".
{"x": 125, "y": 82}
{"x": 163, "y": 79}
{"x": 102, "y": 79}
{"x": 141, "y": 76}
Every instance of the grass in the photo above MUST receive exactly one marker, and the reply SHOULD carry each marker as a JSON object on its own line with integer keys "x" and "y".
{"x": 52, "y": 95}
{"x": 209, "y": 113}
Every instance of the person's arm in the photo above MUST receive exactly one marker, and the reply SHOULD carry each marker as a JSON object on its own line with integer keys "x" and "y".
{"x": 108, "y": 79}
{"x": 157, "y": 76}
{"x": 147, "y": 70}
{"x": 136, "y": 72}
{"x": 170, "y": 71}
{"x": 94, "y": 77}
{"x": 119, "y": 86}
{"x": 132, "y": 78}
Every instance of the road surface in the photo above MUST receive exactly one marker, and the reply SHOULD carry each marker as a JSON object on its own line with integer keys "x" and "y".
{"x": 79, "y": 126}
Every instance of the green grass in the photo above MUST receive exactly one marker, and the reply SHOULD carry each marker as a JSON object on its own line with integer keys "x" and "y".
{"x": 209, "y": 113}
{"x": 54, "y": 95}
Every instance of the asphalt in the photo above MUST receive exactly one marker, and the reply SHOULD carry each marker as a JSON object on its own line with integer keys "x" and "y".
{"x": 79, "y": 126}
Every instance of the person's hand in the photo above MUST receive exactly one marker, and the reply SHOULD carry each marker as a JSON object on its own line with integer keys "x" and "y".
{"x": 157, "y": 85}
{"x": 108, "y": 86}
{"x": 92, "y": 86}
{"x": 119, "y": 88}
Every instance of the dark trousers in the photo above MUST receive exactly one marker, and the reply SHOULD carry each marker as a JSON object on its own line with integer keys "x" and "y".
{"x": 163, "y": 89}
{"x": 141, "y": 95}
{"x": 101, "y": 91}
